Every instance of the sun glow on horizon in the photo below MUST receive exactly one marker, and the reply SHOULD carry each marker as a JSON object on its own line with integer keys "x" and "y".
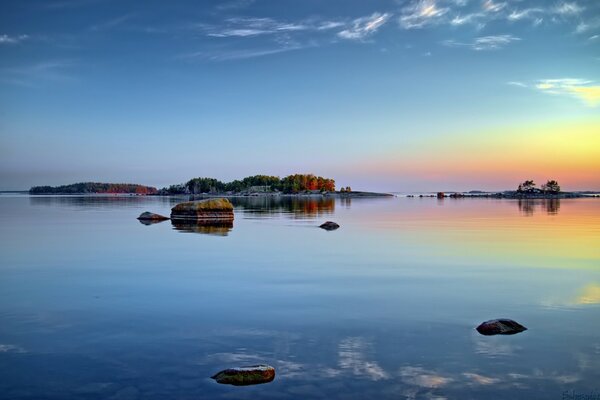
{"x": 568, "y": 152}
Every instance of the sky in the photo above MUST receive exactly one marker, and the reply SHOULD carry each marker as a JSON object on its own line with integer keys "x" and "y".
{"x": 413, "y": 95}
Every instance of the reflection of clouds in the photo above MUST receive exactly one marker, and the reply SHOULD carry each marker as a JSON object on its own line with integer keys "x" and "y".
{"x": 351, "y": 352}
{"x": 418, "y": 376}
{"x": 234, "y": 357}
{"x": 480, "y": 379}
{"x": 11, "y": 348}
{"x": 289, "y": 369}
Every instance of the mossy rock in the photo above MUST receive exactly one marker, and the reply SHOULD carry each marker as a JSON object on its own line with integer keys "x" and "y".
{"x": 243, "y": 376}
{"x": 204, "y": 205}
{"x": 203, "y": 211}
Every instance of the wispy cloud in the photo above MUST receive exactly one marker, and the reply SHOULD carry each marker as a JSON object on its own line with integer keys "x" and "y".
{"x": 36, "y": 74}
{"x": 568, "y": 8}
{"x": 7, "y": 39}
{"x": 585, "y": 90}
{"x": 490, "y": 6}
{"x": 111, "y": 23}
{"x": 421, "y": 13}
{"x": 365, "y": 26}
{"x": 244, "y": 27}
{"x": 239, "y": 54}
{"x": 484, "y": 42}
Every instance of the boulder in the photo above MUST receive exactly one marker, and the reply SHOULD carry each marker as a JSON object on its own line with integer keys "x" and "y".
{"x": 329, "y": 226}
{"x": 148, "y": 216}
{"x": 209, "y": 210}
{"x": 249, "y": 375}
{"x": 500, "y": 327}
{"x": 441, "y": 195}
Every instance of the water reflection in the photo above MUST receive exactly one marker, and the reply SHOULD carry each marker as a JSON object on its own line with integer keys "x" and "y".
{"x": 293, "y": 207}
{"x": 97, "y": 201}
{"x": 151, "y": 221}
{"x": 206, "y": 228}
{"x": 528, "y": 206}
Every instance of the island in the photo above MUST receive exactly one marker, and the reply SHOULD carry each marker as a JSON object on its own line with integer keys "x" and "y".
{"x": 257, "y": 185}
{"x": 95, "y": 188}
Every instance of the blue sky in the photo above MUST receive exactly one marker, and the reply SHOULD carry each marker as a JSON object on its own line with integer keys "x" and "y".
{"x": 160, "y": 92}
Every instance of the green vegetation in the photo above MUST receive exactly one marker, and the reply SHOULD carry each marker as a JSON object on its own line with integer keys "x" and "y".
{"x": 258, "y": 183}
{"x": 94, "y": 187}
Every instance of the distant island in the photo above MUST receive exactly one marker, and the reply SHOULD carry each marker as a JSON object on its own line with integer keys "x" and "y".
{"x": 95, "y": 188}
{"x": 296, "y": 184}
{"x": 526, "y": 190}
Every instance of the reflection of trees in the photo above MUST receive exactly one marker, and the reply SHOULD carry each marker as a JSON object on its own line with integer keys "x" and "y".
{"x": 290, "y": 206}
{"x": 295, "y": 207}
{"x": 100, "y": 201}
{"x": 210, "y": 228}
{"x": 528, "y": 206}
{"x": 551, "y": 206}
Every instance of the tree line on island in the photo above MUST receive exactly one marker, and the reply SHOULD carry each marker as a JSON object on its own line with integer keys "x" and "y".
{"x": 94, "y": 188}
{"x": 291, "y": 184}
{"x": 258, "y": 183}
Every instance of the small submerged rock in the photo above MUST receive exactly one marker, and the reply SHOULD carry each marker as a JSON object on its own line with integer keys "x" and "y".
{"x": 248, "y": 375}
{"x": 500, "y": 327}
{"x": 329, "y": 226}
{"x": 148, "y": 216}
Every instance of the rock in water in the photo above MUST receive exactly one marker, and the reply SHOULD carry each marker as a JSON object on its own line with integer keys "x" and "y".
{"x": 209, "y": 210}
{"x": 148, "y": 216}
{"x": 500, "y": 327}
{"x": 329, "y": 226}
{"x": 249, "y": 375}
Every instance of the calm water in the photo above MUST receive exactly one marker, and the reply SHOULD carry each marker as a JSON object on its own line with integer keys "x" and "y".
{"x": 95, "y": 305}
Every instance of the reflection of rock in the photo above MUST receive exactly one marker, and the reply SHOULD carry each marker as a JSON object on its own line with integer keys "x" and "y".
{"x": 500, "y": 327}
{"x": 209, "y": 228}
{"x": 329, "y": 226}
{"x": 148, "y": 218}
{"x": 242, "y": 376}
{"x": 201, "y": 211}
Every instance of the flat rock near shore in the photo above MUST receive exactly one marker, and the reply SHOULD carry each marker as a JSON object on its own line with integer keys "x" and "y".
{"x": 208, "y": 210}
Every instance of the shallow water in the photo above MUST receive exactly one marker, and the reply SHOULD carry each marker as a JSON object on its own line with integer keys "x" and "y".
{"x": 95, "y": 305}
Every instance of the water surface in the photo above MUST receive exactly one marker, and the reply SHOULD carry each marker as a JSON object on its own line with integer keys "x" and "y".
{"x": 95, "y": 305}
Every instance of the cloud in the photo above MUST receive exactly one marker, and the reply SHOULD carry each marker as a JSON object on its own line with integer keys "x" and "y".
{"x": 365, "y": 26}
{"x": 585, "y": 90}
{"x": 35, "y": 74}
{"x": 239, "y": 54}
{"x": 531, "y": 13}
{"x": 516, "y": 83}
{"x": 111, "y": 23}
{"x": 421, "y": 13}
{"x": 484, "y": 42}
{"x": 568, "y": 9}
{"x": 6, "y": 39}
{"x": 490, "y": 6}
{"x": 244, "y": 27}
{"x": 582, "y": 89}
